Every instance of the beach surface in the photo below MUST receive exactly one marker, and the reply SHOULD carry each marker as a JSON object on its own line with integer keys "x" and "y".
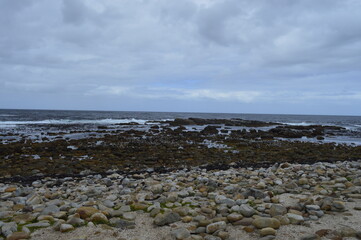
{"x": 283, "y": 201}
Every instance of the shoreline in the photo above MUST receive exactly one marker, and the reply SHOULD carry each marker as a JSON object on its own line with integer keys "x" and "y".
{"x": 27, "y": 180}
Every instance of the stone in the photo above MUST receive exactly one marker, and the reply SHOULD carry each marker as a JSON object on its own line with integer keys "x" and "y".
{"x": 172, "y": 197}
{"x": 9, "y": 228}
{"x": 34, "y": 200}
{"x": 261, "y": 185}
{"x": 338, "y": 206}
{"x": 75, "y": 220}
{"x": 46, "y": 217}
{"x": 248, "y": 229}
{"x": 86, "y": 212}
{"x": 18, "y": 236}
{"x": 50, "y": 210}
{"x": 277, "y": 209}
{"x": 122, "y": 224}
{"x": 129, "y": 216}
{"x": 200, "y": 230}
{"x": 57, "y": 224}
{"x": 24, "y": 218}
{"x": 213, "y": 227}
{"x": 223, "y": 234}
{"x": 108, "y": 203}
{"x": 303, "y": 181}
{"x": 283, "y": 219}
{"x": 312, "y": 207}
{"x": 154, "y": 212}
{"x": 323, "y": 232}
{"x": 187, "y": 219}
{"x": 267, "y": 231}
{"x": 264, "y": 222}
{"x": 156, "y": 189}
{"x": 66, "y": 227}
{"x": 166, "y": 218}
{"x": 247, "y": 210}
{"x": 251, "y": 192}
{"x": 234, "y": 217}
{"x": 182, "y": 211}
{"x": 10, "y": 189}
{"x": 295, "y": 218}
{"x": 244, "y": 222}
{"x": 180, "y": 233}
{"x": 139, "y": 206}
{"x": 99, "y": 218}
{"x": 38, "y": 225}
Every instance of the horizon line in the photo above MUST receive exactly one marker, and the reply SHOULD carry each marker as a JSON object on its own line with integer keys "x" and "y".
{"x": 152, "y": 111}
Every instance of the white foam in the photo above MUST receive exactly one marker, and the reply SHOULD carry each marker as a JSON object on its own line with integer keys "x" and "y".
{"x": 299, "y": 123}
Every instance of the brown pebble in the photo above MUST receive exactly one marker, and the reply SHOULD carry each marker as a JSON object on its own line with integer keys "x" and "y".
{"x": 248, "y": 229}
{"x": 323, "y": 232}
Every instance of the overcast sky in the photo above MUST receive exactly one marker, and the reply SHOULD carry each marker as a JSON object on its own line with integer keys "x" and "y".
{"x": 242, "y": 56}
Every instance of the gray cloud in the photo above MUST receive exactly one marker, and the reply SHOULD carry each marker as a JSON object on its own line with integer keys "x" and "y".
{"x": 160, "y": 53}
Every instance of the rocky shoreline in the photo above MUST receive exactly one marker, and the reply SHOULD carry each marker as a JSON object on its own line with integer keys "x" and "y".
{"x": 183, "y": 143}
{"x": 282, "y": 201}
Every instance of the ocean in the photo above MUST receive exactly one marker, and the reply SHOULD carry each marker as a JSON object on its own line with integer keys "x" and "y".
{"x": 12, "y": 120}
{"x": 12, "y": 117}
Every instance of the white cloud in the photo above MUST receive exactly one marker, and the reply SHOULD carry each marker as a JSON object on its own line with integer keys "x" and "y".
{"x": 220, "y": 50}
{"x": 177, "y": 93}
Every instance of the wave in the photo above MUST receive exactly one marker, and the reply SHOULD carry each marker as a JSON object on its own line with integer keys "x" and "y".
{"x": 107, "y": 121}
{"x": 299, "y": 123}
{"x": 8, "y": 115}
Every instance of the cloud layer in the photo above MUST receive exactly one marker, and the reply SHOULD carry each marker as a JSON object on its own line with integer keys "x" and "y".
{"x": 268, "y": 56}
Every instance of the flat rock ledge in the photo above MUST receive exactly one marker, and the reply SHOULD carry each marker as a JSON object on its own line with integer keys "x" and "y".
{"x": 284, "y": 201}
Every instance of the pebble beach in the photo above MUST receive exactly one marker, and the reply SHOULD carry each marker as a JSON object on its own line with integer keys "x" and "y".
{"x": 283, "y": 201}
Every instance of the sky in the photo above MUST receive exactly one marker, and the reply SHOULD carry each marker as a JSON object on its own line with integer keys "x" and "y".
{"x": 238, "y": 56}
